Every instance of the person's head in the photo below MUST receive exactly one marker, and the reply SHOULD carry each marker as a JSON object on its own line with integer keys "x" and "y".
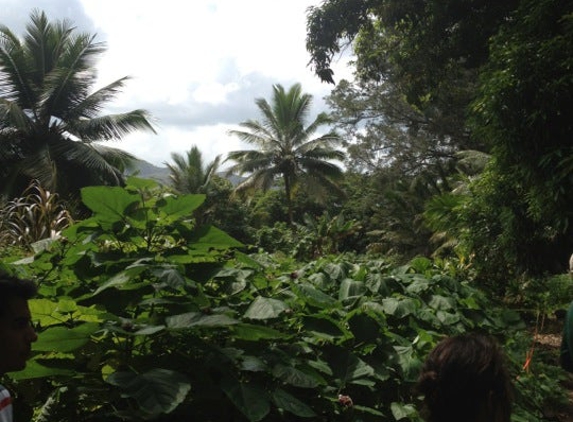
{"x": 464, "y": 378}
{"x": 16, "y": 331}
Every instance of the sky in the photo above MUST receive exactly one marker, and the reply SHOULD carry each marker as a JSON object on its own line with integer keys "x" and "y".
{"x": 196, "y": 66}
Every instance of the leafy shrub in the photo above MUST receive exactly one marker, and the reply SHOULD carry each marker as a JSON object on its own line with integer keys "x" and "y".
{"x": 145, "y": 316}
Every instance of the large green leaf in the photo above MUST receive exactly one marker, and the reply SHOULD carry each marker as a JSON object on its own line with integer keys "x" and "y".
{"x": 265, "y": 308}
{"x": 351, "y": 289}
{"x": 409, "y": 362}
{"x": 63, "y": 339}
{"x": 197, "y": 319}
{"x": 35, "y": 370}
{"x": 157, "y": 391}
{"x": 441, "y": 302}
{"x": 109, "y": 203}
{"x": 117, "y": 281}
{"x": 325, "y": 328}
{"x": 48, "y": 312}
{"x": 348, "y": 367}
{"x": 401, "y": 411}
{"x": 288, "y": 402}
{"x": 171, "y": 276}
{"x": 336, "y": 272}
{"x": 364, "y": 327}
{"x": 314, "y": 297}
{"x": 209, "y": 237}
{"x": 174, "y": 208}
{"x": 295, "y": 377}
{"x": 250, "y": 399}
{"x": 140, "y": 184}
{"x": 253, "y": 332}
{"x": 400, "y": 307}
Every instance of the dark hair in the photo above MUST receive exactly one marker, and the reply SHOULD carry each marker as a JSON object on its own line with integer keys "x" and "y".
{"x": 11, "y": 287}
{"x": 465, "y": 378}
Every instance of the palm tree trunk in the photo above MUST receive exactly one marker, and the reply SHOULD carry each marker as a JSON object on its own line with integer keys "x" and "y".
{"x": 288, "y": 200}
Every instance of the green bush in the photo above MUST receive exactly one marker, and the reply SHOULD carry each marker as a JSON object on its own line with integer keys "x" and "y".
{"x": 145, "y": 316}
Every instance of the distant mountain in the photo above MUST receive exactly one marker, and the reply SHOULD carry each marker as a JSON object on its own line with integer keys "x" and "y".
{"x": 147, "y": 170}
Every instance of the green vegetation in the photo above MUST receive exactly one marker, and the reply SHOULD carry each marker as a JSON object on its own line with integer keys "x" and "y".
{"x": 146, "y": 316}
{"x": 188, "y": 174}
{"x": 287, "y": 149}
{"x": 319, "y": 296}
{"x": 50, "y": 120}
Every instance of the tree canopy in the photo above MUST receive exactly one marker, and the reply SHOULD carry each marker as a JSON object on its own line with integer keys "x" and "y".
{"x": 50, "y": 113}
{"x": 287, "y": 147}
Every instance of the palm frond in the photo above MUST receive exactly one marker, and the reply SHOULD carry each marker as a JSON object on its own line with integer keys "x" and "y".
{"x": 118, "y": 158}
{"x": 13, "y": 69}
{"x": 89, "y": 157}
{"x": 15, "y": 117}
{"x": 69, "y": 83}
{"x": 91, "y": 105}
{"x": 113, "y": 126}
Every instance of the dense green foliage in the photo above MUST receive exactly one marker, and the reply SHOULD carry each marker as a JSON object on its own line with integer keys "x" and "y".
{"x": 50, "y": 119}
{"x": 525, "y": 112}
{"x": 438, "y": 78}
{"x": 188, "y": 303}
{"x": 145, "y": 316}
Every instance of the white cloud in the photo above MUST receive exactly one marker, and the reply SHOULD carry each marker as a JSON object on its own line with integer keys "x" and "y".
{"x": 197, "y": 66}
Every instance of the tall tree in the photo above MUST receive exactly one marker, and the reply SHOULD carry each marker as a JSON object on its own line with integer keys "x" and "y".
{"x": 50, "y": 119}
{"x": 525, "y": 111}
{"x": 286, "y": 148}
{"x": 417, "y": 62}
{"x": 189, "y": 174}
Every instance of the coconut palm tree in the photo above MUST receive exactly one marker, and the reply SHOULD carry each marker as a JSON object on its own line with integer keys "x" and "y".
{"x": 50, "y": 119}
{"x": 287, "y": 149}
{"x": 188, "y": 174}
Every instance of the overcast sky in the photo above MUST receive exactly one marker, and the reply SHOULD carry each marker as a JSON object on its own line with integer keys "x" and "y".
{"x": 197, "y": 66}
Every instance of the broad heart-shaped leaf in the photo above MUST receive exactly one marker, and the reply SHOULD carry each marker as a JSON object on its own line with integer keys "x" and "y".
{"x": 364, "y": 327}
{"x": 210, "y": 237}
{"x": 288, "y": 402}
{"x": 441, "y": 302}
{"x": 63, "y": 339}
{"x": 409, "y": 363}
{"x": 448, "y": 318}
{"x": 401, "y": 410}
{"x": 336, "y": 272}
{"x": 173, "y": 208}
{"x": 324, "y": 328}
{"x": 295, "y": 377}
{"x": 171, "y": 276}
{"x": 351, "y": 288}
{"x": 348, "y": 367}
{"x": 121, "y": 281}
{"x": 250, "y": 399}
{"x": 265, "y": 308}
{"x": 307, "y": 293}
{"x": 157, "y": 391}
{"x": 400, "y": 307}
{"x": 109, "y": 203}
{"x": 35, "y": 370}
